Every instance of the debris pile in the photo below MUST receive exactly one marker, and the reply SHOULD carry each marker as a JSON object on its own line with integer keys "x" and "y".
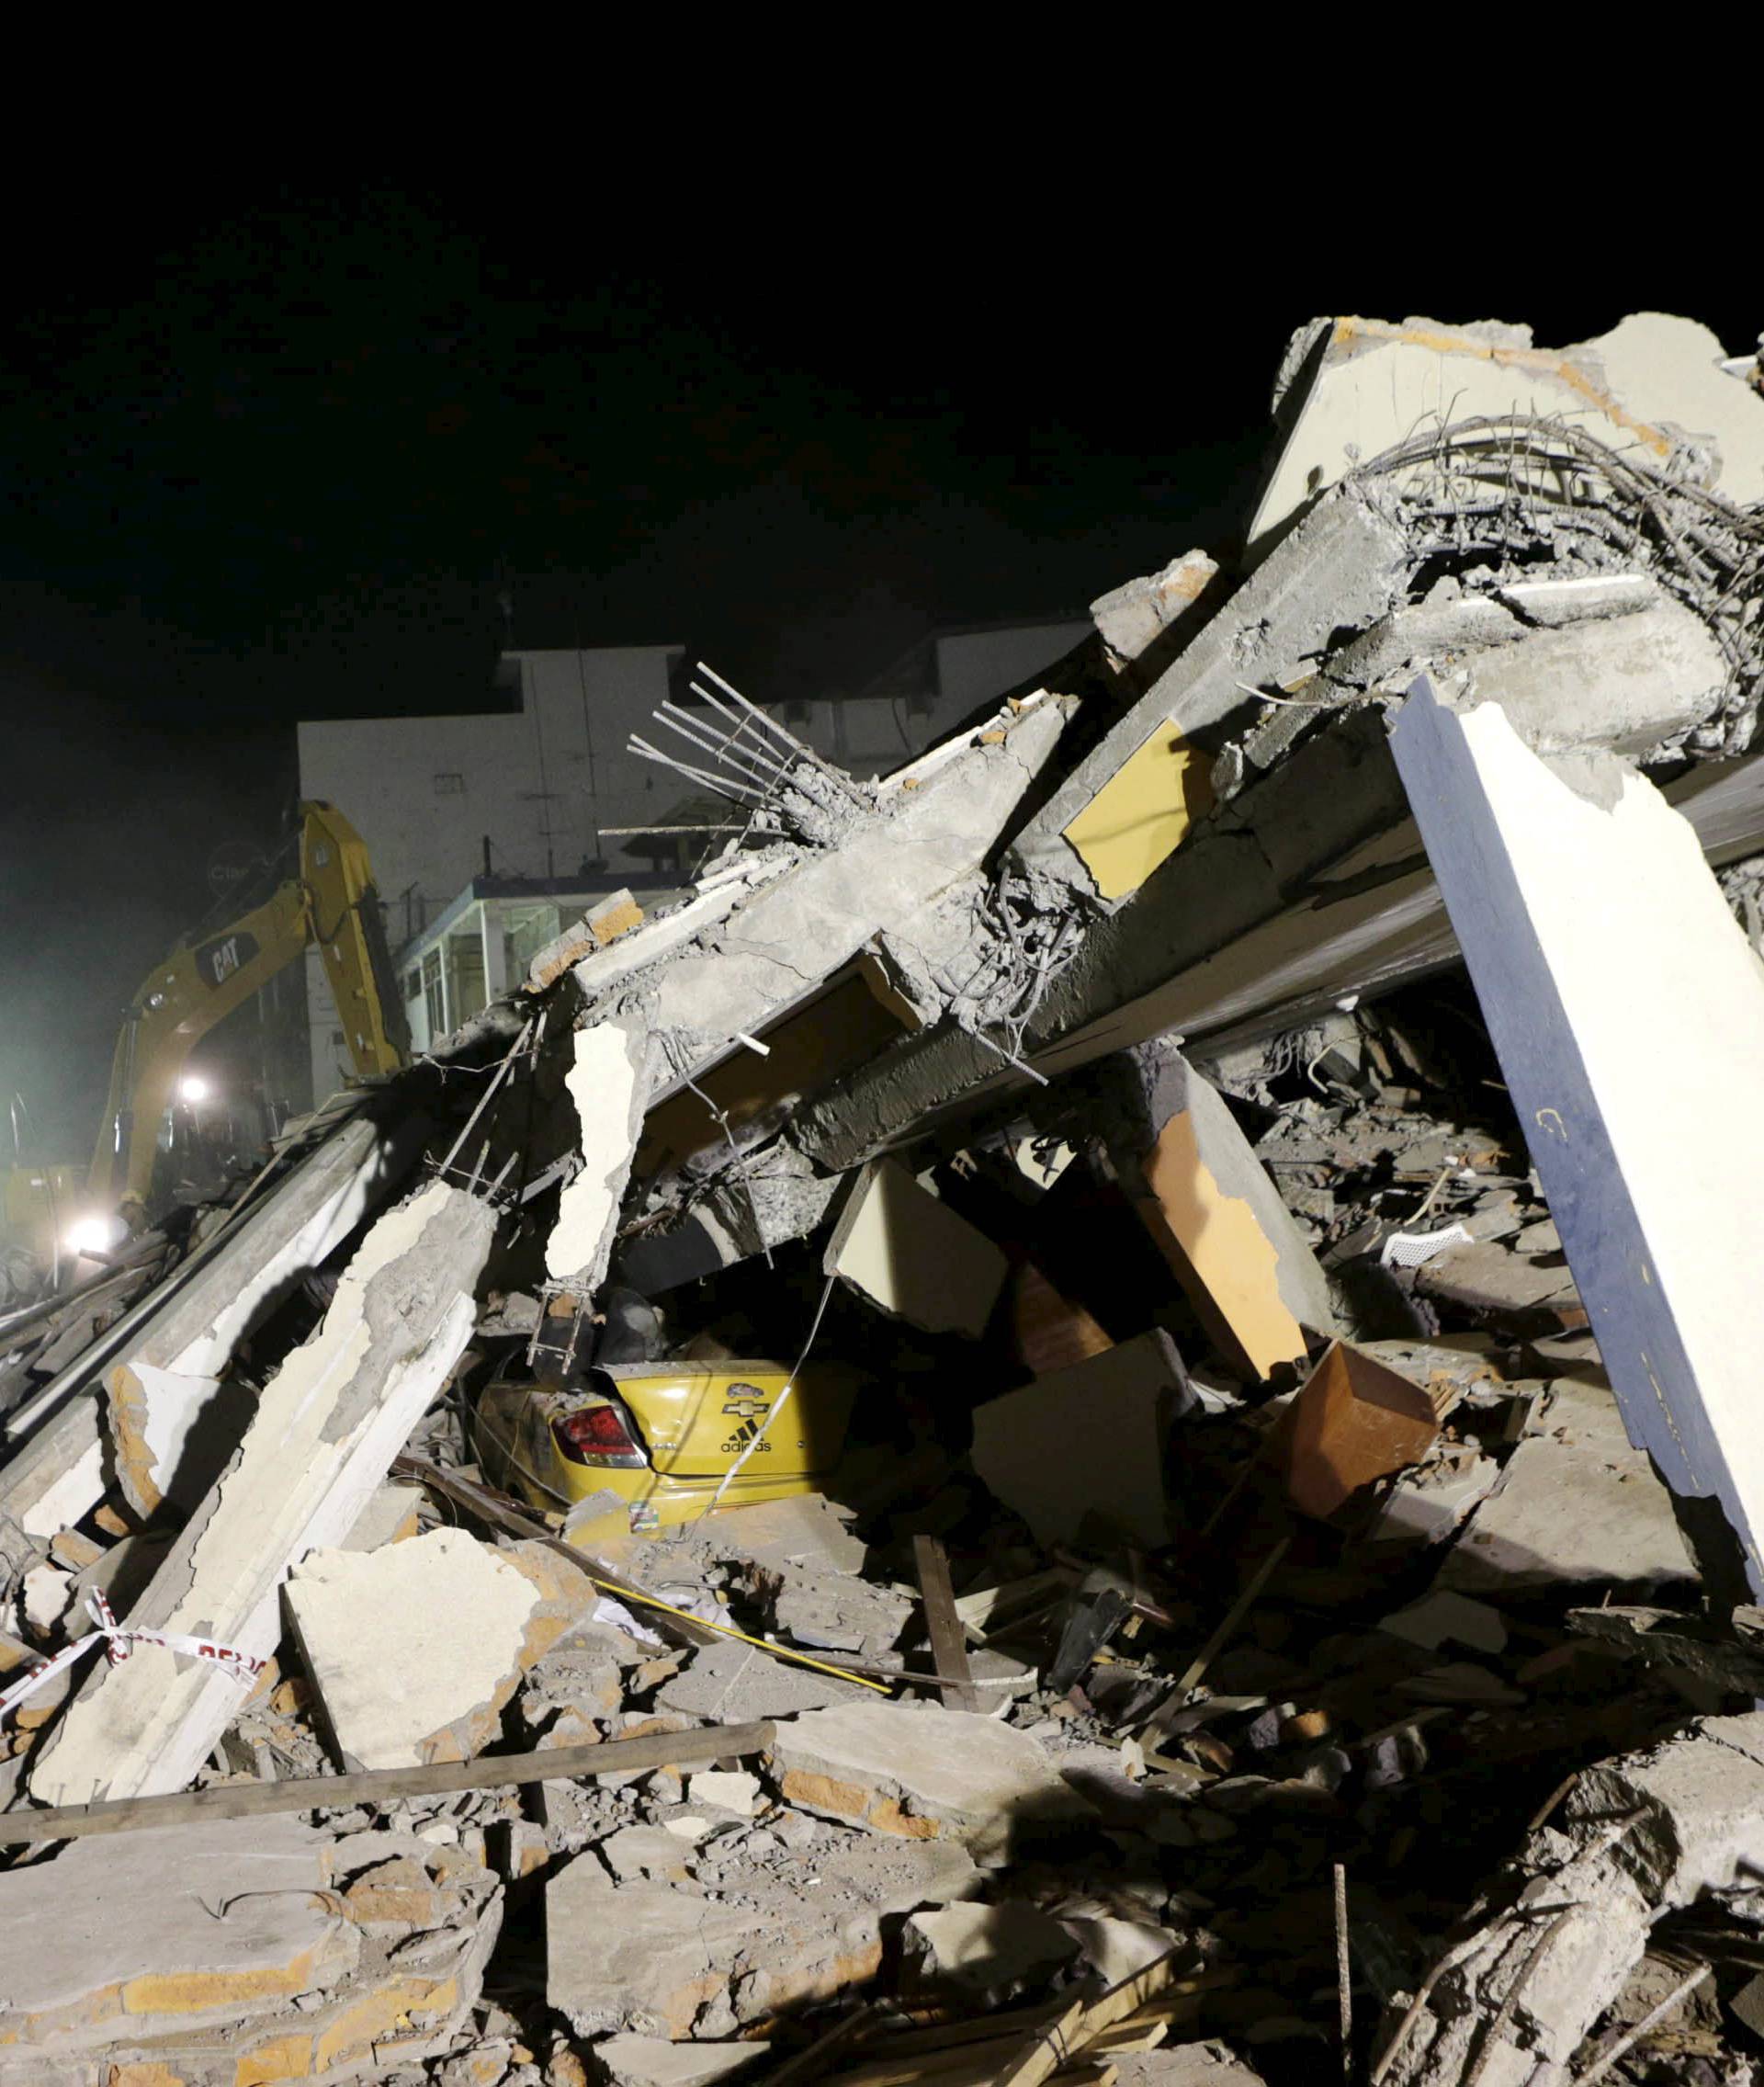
{"x": 1090, "y": 1419}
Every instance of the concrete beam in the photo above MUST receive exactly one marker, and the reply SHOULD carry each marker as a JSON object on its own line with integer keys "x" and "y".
{"x": 192, "y": 1326}
{"x": 1216, "y": 1217}
{"x": 1344, "y": 567}
{"x": 1628, "y": 1011}
{"x": 323, "y": 1437}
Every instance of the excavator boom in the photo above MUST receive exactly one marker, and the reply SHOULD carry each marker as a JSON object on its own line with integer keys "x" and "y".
{"x": 330, "y": 900}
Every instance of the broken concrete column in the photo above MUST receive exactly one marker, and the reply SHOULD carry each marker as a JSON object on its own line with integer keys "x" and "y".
{"x": 1638, "y": 1837}
{"x": 1628, "y": 1011}
{"x": 194, "y": 1321}
{"x": 786, "y": 939}
{"x": 324, "y": 1435}
{"x": 608, "y": 1084}
{"x": 1217, "y": 1218}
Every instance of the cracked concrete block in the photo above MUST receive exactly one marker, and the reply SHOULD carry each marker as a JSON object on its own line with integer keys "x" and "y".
{"x": 725, "y": 1790}
{"x": 654, "y": 1853}
{"x": 1088, "y": 1440}
{"x": 1134, "y": 617}
{"x": 326, "y": 1428}
{"x": 990, "y": 1949}
{"x": 670, "y": 1961}
{"x": 1115, "y": 1948}
{"x": 414, "y": 1649}
{"x": 922, "y": 1773}
{"x": 839, "y": 1615}
{"x": 615, "y": 915}
{"x": 915, "y": 1257}
{"x": 653, "y": 2061}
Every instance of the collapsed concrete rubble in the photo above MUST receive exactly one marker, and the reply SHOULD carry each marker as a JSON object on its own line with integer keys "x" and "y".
{"x": 1090, "y": 1419}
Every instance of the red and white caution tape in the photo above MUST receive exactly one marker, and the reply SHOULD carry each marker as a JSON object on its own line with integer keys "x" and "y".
{"x": 117, "y": 1644}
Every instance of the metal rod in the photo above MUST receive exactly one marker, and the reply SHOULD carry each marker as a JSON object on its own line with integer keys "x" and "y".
{"x": 807, "y": 752}
{"x": 484, "y": 1099}
{"x": 736, "y": 739}
{"x": 745, "y": 765}
{"x": 722, "y": 785}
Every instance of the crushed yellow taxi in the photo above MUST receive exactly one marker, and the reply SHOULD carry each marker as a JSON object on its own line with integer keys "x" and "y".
{"x": 662, "y": 1436}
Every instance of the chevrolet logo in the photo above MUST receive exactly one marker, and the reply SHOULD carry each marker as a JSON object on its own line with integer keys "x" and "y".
{"x": 747, "y": 1408}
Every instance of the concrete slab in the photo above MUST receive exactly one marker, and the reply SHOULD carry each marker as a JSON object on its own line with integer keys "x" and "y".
{"x": 923, "y": 1772}
{"x": 1577, "y": 1507}
{"x": 127, "y": 1928}
{"x": 733, "y": 1684}
{"x": 668, "y": 1961}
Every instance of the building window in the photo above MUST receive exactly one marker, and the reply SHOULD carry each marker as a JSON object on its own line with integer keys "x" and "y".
{"x": 450, "y": 783}
{"x": 434, "y": 1006}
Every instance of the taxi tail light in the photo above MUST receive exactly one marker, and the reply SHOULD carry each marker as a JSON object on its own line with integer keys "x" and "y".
{"x": 598, "y": 1435}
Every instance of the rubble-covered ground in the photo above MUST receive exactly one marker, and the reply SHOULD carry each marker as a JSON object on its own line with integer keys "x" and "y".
{"x": 1242, "y": 1115}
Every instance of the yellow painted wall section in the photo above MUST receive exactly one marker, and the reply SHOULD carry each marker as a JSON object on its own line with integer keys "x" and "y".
{"x": 1224, "y": 1260}
{"x": 1142, "y": 812}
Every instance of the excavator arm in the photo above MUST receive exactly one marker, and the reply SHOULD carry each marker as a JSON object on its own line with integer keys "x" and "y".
{"x": 332, "y": 902}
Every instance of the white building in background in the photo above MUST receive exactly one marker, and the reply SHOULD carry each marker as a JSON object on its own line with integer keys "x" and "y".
{"x": 489, "y": 831}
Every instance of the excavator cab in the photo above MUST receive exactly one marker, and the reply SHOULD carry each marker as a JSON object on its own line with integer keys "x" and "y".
{"x": 330, "y": 900}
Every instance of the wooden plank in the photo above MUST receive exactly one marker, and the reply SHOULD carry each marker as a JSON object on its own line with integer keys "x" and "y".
{"x": 1067, "y": 2038}
{"x": 942, "y": 1625}
{"x": 386, "y": 1785}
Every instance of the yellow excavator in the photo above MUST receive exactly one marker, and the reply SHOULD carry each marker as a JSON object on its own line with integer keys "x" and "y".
{"x": 328, "y": 900}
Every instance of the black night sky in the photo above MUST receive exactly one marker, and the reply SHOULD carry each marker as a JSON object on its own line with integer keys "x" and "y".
{"x": 273, "y": 457}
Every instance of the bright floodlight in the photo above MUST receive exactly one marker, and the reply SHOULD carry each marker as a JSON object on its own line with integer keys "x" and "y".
{"x": 95, "y": 1234}
{"x": 193, "y": 1087}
